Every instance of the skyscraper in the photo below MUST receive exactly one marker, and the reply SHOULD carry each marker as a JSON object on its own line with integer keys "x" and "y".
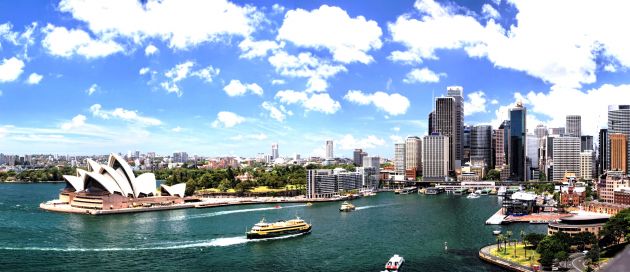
{"x": 498, "y": 146}
{"x": 587, "y": 164}
{"x": 435, "y": 155}
{"x": 329, "y": 150}
{"x": 431, "y": 122}
{"x": 457, "y": 93}
{"x": 541, "y": 131}
{"x": 466, "y": 142}
{"x": 557, "y": 131}
{"x": 618, "y": 152}
{"x": 358, "y": 159}
{"x": 619, "y": 122}
{"x": 603, "y": 160}
{"x": 566, "y": 157}
{"x": 399, "y": 158}
{"x": 274, "y": 151}
{"x": 413, "y": 154}
{"x": 586, "y": 142}
{"x": 518, "y": 130}
{"x": 444, "y": 123}
{"x": 574, "y": 125}
{"x": 481, "y": 145}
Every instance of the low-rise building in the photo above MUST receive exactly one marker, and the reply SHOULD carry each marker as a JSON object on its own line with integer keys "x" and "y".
{"x": 609, "y": 182}
{"x": 582, "y": 222}
{"x": 326, "y": 183}
{"x": 572, "y": 196}
{"x": 621, "y": 196}
{"x": 605, "y": 208}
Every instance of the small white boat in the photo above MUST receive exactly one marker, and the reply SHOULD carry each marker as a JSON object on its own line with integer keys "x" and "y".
{"x": 394, "y": 263}
{"x": 346, "y": 207}
{"x": 496, "y": 232}
{"x": 473, "y": 195}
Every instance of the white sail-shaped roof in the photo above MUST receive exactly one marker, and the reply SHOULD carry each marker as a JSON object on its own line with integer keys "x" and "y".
{"x": 109, "y": 184}
{"x": 75, "y": 181}
{"x": 93, "y": 166}
{"x": 175, "y": 190}
{"x": 127, "y": 172}
{"x": 122, "y": 182}
{"x": 144, "y": 184}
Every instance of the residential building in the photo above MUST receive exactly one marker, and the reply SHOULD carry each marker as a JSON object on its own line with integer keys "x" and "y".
{"x": 618, "y": 152}
{"x": 413, "y": 156}
{"x": 445, "y": 123}
{"x": 435, "y": 157}
{"x": 619, "y": 122}
{"x": 325, "y": 183}
{"x": 587, "y": 165}
{"x": 518, "y": 130}
{"x": 566, "y": 156}
{"x": 399, "y": 159}
{"x": 329, "y": 150}
{"x": 574, "y": 125}
{"x": 274, "y": 151}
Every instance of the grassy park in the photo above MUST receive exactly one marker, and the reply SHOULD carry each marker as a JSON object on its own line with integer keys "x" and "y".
{"x": 507, "y": 253}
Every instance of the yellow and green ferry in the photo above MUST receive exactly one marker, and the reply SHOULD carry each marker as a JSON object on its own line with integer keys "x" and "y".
{"x": 263, "y": 229}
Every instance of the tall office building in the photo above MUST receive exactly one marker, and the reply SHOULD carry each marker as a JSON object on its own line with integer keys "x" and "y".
{"x": 566, "y": 156}
{"x": 586, "y": 142}
{"x": 533, "y": 143}
{"x": 619, "y": 122}
{"x": 431, "y": 122}
{"x": 481, "y": 145}
{"x": 618, "y": 152}
{"x": 457, "y": 93}
{"x": 274, "y": 151}
{"x": 358, "y": 157}
{"x": 374, "y": 162}
{"x": 435, "y": 156}
{"x": 399, "y": 158}
{"x": 603, "y": 160}
{"x": 541, "y": 131}
{"x": 413, "y": 154}
{"x": 587, "y": 165}
{"x": 329, "y": 150}
{"x": 466, "y": 141}
{"x": 557, "y": 131}
{"x": 518, "y": 141}
{"x": 445, "y": 123}
{"x": 498, "y": 147}
{"x": 574, "y": 125}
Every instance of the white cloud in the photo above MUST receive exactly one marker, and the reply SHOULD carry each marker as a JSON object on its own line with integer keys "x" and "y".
{"x": 348, "y": 39}
{"x": 177, "y": 129}
{"x": 236, "y": 88}
{"x": 610, "y": 68}
{"x": 349, "y": 142}
{"x": 182, "y": 71}
{"x": 76, "y": 122}
{"x": 393, "y": 104}
{"x": 150, "y": 50}
{"x": 227, "y": 119}
{"x": 396, "y": 139}
{"x": 423, "y": 75}
{"x": 240, "y": 137}
{"x": 34, "y": 79}
{"x": 59, "y": 41}
{"x": 397, "y": 129}
{"x": 11, "y": 69}
{"x": 24, "y": 39}
{"x": 278, "y": 113}
{"x": 144, "y": 70}
{"x": 306, "y": 66}
{"x": 320, "y": 102}
{"x": 180, "y": 23}
{"x": 256, "y": 49}
{"x": 476, "y": 103}
{"x": 494, "y": 102}
{"x": 123, "y": 114}
{"x": 489, "y": 12}
{"x": 559, "y": 47}
{"x": 207, "y": 74}
{"x": 277, "y": 8}
{"x": 291, "y": 96}
{"x": 278, "y": 82}
{"x": 93, "y": 88}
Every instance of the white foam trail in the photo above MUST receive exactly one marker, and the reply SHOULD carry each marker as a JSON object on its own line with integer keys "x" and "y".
{"x": 218, "y": 242}
{"x": 372, "y": 206}
{"x": 230, "y": 212}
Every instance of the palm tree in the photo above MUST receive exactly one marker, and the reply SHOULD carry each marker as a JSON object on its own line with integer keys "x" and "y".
{"x": 523, "y": 242}
{"x": 499, "y": 240}
{"x": 509, "y": 235}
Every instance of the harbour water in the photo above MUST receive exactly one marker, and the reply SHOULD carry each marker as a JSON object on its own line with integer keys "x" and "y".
{"x": 414, "y": 226}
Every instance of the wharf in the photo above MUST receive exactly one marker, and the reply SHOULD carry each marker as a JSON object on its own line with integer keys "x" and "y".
{"x": 66, "y": 208}
{"x": 536, "y": 218}
{"x": 497, "y": 218}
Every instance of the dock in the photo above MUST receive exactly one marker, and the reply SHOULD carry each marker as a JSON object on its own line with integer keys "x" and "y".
{"x": 496, "y": 218}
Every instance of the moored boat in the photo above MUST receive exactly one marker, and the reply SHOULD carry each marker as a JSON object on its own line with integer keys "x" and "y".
{"x": 496, "y": 232}
{"x": 346, "y": 207}
{"x": 394, "y": 263}
{"x": 473, "y": 195}
{"x": 263, "y": 229}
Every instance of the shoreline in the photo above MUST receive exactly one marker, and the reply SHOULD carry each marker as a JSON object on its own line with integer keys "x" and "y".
{"x": 484, "y": 255}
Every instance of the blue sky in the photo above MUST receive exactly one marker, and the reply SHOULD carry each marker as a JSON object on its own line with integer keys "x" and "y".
{"x": 217, "y": 78}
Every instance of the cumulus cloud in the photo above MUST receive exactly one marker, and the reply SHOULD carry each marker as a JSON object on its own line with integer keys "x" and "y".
{"x": 476, "y": 103}
{"x": 349, "y": 142}
{"x": 278, "y": 113}
{"x": 93, "y": 88}
{"x": 34, "y": 79}
{"x": 182, "y": 24}
{"x": 76, "y": 122}
{"x": 123, "y": 114}
{"x": 177, "y": 129}
{"x": 236, "y": 88}
{"x": 320, "y": 102}
{"x": 305, "y": 65}
{"x": 258, "y": 137}
{"x": 489, "y": 12}
{"x": 182, "y": 71}
{"x": 423, "y": 75}
{"x": 278, "y": 82}
{"x": 393, "y": 104}
{"x": 63, "y": 42}
{"x": 11, "y": 69}
{"x": 150, "y": 50}
{"x": 347, "y": 39}
{"x": 256, "y": 49}
{"x": 227, "y": 119}
{"x": 144, "y": 70}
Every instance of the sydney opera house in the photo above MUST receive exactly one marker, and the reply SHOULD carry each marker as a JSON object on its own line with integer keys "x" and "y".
{"x": 114, "y": 186}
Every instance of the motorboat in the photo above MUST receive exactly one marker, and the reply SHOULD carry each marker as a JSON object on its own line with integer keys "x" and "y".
{"x": 496, "y": 232}
{"x": 346, "y": 207}
{"x": 473, "y": 195}
{"x": 394, "y": 263}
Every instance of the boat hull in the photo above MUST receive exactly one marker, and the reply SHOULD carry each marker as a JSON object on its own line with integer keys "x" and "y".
{"x": 274, "y": 234}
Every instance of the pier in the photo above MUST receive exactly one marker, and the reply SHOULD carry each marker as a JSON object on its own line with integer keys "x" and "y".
{"x": 496, "y": 218}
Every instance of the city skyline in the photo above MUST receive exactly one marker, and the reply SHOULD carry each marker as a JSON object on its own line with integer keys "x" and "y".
{"x": 73, "y": 81}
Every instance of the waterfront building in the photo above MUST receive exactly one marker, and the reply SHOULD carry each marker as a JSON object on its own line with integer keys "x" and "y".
{"x": 445, "y": 124}
{"x": 574, "y": 125}
{"x": 586, "y": 142}
{"x": 583, "y": 222}
{"x": 358, "y": 157}
{"x": 399, "y": 159}
{"x": 518, "y": 130}
{"x": 519, "y": 203}
{"x": 609, "y": 182}
{"x": 329, "y": 150}
{"x": 481, "y": 145}
{"x": 457, "y": 93}
{"x": 372, "y": 162}
{"x": 566, "y": 156}
{"x": 619, "y": 122}
{"x": 587, "y": 165}
{"x": 435, "y": 157}
{"x": 603, "y": 160}
{"x": 326, "y": 183}
{"x": 413, "y": 156}
{"x": 274, "y": 151}
{"x": 618, "y": 152}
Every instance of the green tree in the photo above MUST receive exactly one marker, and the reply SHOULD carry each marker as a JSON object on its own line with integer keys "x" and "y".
{"x": 562, "y": 256}
{"x": 543, "y": 177}
{"x": 508, "y": 234}
{"x": 593, "y": 254}
{"x": 493, "y": 174}
{"x": 499, "y": 241}
{"x": 224, "y": 185}
{"x": 549, "y": 246}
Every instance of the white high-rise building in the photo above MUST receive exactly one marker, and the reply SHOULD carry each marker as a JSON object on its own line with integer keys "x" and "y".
{"x": 329, "y": 150}
{"x": 399, "y": 158}
{"x": 274, "y": 151}
{"x": 574, "y": 125}
{"x": 413, "y": 153}
{"x": 374, "y": 162}
{"x": 435, "y": 157}
{"x": 587, "y": 165}
{"x": 566, "y": 157}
